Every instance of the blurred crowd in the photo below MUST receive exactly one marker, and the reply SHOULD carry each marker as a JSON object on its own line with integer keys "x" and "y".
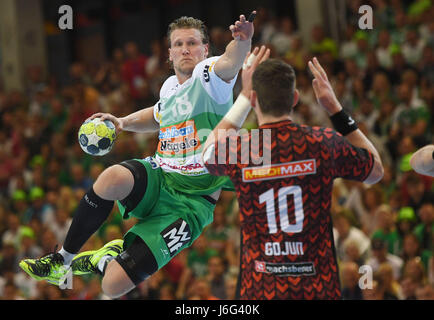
{"x": 384, "y": 77}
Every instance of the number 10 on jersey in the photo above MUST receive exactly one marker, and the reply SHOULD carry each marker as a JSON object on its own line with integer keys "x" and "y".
{"x": 283, "y": 193}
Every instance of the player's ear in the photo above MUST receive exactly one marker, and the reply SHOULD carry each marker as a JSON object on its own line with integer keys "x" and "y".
{"x": 170, "y": 56}
{"x": 253, "y": 98}
{"x": 296, "y": 97}
{"x": 206, "y": 50}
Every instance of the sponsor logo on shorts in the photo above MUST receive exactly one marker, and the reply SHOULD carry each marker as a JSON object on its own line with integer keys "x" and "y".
{"x": 152, "y": 162}
{"x": 280, "y": 171}
{"x": 286, "y": 269}
{"x": 176, "y": 236}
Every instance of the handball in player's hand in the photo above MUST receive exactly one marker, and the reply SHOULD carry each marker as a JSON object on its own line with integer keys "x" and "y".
{"x": 96, "y": 137}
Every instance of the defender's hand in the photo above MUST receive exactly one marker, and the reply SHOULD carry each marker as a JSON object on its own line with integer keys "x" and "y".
{"x": 323, "y": 90}
{"x": 250, "y": 64}
{"x": 242, "y": 29}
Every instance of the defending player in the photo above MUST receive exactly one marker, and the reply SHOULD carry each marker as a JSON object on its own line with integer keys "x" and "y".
{"x": 172, "y": 194}
{"x": 286, "y": 228}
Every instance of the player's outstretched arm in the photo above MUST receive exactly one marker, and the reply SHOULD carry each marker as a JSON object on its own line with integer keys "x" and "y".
{"x": 229, "y": 64}
{"x": 327, "y": 99}
{"x": 140, "y": 121}
{"x": 236, "y": 116}
{"x": 422, "y": 161}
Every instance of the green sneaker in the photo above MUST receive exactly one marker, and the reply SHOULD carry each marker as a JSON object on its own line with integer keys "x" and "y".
{"x": 49, "y": 268}
{"x": 87, "y": 262}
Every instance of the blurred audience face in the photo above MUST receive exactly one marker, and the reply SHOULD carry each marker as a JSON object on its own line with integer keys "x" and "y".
{"x": 385, "y": 218}
{"x": 404, "y": 93}
{"x": 352, "y": 251}
{"x": 372, "y": 198}
{"x": 350, "y": 275}
{"x": 13, "y": 222}
{"x": 77, "y": 173}
{"x": 231, "y": 288}
{"x": 380, "y": 253}
{"x": 216, "y": 267}
{"x": 219, "y": 216}
{"x": 131, "y": 50}
{"x": 317, "y": 34}
{"x": 425, "y": 292}
{"x": 410, "y": 246}
{"x": 166, "y": 292}
{"x": 202, "y": 289}
{"x": 408, "y": 286}
{"x": 200, "y": 244}
{"x": 96, "y": 170}
{"x": 383, "y": 39}
{"x": 113, "y": 232}
{"x": 53, "y": 293}
{"x": 415, "y": 269}
{"x": 426, "y": 213}
{"x": 342, "y": 225}
{"x": 385, "y": 274}
{"x": 372, "y": 294}
{"x": 10, "y": 292}
{"x": 406, "y": 146}
{"x": 380, "y": 83}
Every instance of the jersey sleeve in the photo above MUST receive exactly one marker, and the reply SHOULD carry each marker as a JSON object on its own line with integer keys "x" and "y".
{"x": 219, "y": 90}
{"x": 164, "y": 91}
{"x": 350, "y": 162}
{"x": 157, "y": 111}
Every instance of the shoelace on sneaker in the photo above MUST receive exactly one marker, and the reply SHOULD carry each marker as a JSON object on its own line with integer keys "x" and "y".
{"x": 43, "y": 264}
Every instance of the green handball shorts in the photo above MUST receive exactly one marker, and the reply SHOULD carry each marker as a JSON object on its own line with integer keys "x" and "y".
{"x": 169, "y": 220}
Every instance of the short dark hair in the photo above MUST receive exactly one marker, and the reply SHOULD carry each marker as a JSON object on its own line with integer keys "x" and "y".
{"x": 274, "y": 83}
{"x": 188, "y": 23}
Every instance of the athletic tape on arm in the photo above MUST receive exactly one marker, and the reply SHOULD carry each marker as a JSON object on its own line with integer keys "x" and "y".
{"x": 239, "y": 111}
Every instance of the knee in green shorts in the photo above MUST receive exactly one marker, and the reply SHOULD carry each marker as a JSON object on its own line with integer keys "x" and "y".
{"x": 168, "y": 220}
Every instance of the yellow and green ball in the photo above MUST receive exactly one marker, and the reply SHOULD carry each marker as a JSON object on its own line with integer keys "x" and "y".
{"x": 97, "y": 137}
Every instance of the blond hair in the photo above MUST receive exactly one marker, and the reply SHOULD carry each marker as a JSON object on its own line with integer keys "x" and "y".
{"x": 188, "y": 23}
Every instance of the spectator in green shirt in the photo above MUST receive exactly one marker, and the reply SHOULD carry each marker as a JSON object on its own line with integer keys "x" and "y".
{"x": 386, "y": 229}
{"x": 425, "y": 230}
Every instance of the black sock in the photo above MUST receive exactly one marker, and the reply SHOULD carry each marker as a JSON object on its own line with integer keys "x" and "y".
{"x": 91, "y": 213}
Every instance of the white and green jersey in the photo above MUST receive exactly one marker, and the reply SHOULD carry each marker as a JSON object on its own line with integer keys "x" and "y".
{"x": 187, "y": 113}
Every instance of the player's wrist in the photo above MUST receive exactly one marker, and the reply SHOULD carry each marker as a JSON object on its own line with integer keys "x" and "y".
{"x": 332, "y": 106}
{"x": 247, "y": 41}
{"x": 245, "y": 93}
{"x": 334, "y": 110}
{"x": 343, "y": 123}
{"x": 239, "y": 111}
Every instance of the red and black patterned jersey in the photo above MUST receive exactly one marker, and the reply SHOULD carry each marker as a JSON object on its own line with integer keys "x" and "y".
{"x": 286, "y": 228}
